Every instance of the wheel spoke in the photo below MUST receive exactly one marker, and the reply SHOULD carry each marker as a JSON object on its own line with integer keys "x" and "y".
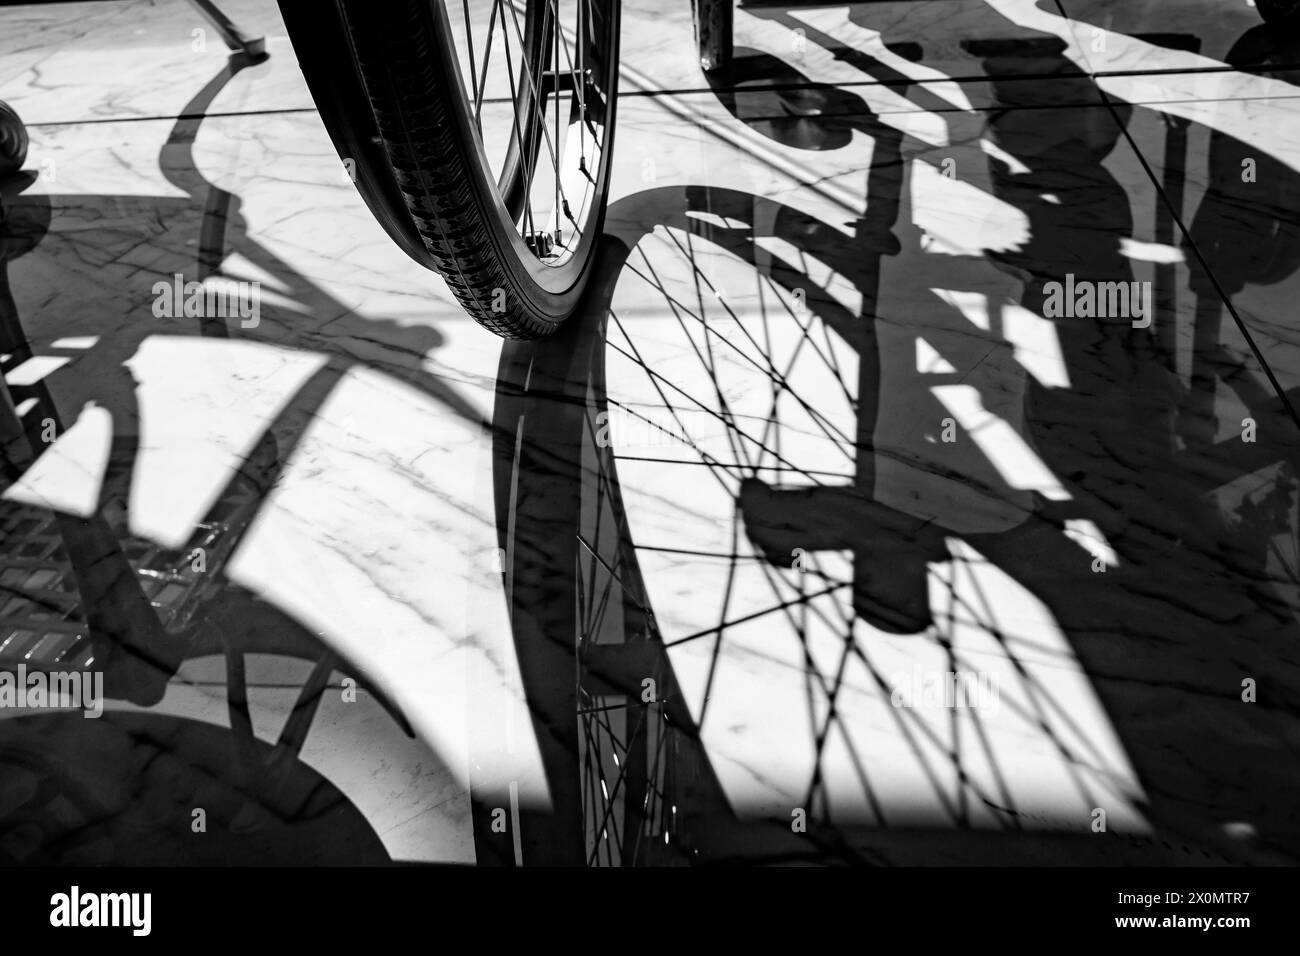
{"x": 487, "y": 59}
{"x": 473, "y": 69}
{"x": 538, "y": 111}
{"x": 529, "y": 226}
{"x": 545, "y": 48}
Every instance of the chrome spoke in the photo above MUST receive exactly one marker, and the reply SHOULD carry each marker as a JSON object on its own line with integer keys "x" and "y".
{"x": 514, "y": 96}
{"x": 538, "y": 111}
{"x": 487, "y": 58}
{"x": 544, "y": 46}
{"x": 473, "y": 69}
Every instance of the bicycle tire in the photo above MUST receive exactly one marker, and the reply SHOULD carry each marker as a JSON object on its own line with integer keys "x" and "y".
{"x": 429, "y": 180}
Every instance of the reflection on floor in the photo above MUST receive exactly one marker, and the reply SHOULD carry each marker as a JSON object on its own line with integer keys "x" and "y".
{"x": 917, "y": 486}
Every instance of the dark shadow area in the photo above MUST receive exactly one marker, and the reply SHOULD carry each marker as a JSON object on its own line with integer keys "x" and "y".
{"x": 146, "y": 790}
{"x": 1203, "y": 594}
{"x": 1197, "y": 605}
{"x": 85, "y": 594}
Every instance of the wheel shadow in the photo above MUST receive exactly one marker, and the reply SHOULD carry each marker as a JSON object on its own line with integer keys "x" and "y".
{"x": 1191, "y": 606}
{"x": 83, "y": 591}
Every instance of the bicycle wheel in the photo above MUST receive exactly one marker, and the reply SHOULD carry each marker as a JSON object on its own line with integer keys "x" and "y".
{"x": 480, "y": 135}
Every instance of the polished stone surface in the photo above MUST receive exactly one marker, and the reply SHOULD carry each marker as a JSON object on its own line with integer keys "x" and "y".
{"x": 817, "y": 440}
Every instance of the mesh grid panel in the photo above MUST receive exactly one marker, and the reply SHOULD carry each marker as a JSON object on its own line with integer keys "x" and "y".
{"x": 42, "y": 622}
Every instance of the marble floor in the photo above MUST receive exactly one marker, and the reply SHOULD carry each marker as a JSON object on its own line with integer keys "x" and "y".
{"x": 834, "y": 528}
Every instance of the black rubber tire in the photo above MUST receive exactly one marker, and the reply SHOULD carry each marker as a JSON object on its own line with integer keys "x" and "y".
{"x": 1280, "y": 13}
{"x": 713, "y": 32}
{"x": 404, "y": 65}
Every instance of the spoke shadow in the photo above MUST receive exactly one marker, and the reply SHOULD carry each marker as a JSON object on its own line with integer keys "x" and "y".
{"x": 1166, "y": 600}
